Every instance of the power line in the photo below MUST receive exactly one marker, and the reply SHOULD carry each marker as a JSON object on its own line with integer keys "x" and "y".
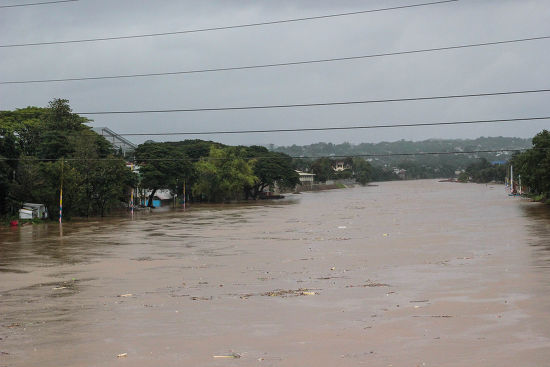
{"x": 40, "y": 3}
{"x": 282, "y": 64}
{"x": 227, "y": 27}
{"x": 374, "y": 155}
{"x": 318, "y": 104}
{"x": 381, "y": 126}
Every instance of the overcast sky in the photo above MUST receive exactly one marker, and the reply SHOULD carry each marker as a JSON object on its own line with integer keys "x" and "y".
{"x": 516, "y": 66}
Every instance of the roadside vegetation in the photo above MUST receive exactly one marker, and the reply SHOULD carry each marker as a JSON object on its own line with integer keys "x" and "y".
{"x": 534, "y": 167}
{"x": 531, "y": 167}
{"x": 42, "y": 148}
{"x": 212, "y": 171}
{"x": 483, "y": 171}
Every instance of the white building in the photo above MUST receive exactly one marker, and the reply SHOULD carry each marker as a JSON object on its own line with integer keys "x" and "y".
{"x": 32, "y": 211}
{"x": 306, "y": 179}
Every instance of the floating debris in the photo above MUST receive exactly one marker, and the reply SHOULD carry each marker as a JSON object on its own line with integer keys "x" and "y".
{"x": 229, "y": 356}
{"x": 289, "y": 293}
{"x": 12, "y": 325}
{"x": 201, "y": 298}
{"x": 369, "y": 283}
{"x": 308, "y": 293}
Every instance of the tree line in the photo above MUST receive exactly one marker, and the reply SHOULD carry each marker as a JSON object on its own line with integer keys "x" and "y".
{"x": 533, "y": 166}
{"x": 46, "y": 150}
{"x": 483, "y": 171}
{"x": 212, "y": 171}
{"x": 384, "y": 159}
{"x": 354, "y": 168}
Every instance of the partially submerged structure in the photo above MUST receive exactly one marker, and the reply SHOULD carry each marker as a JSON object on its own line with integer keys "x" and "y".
{"x": 161, "y": 196}
{"x": 33, "y": 211}
{"x": 306, "y": 179}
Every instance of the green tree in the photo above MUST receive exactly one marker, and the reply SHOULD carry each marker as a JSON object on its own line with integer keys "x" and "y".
{"x": 223, "y": 175}
{"x": 110, "y": 182}
{"x": 162, "y": 165}
{"x": 61, "y": 125}
{"x": 270, "y": 168}
{"x": 322, "y": 168}
{"x": 103, "y": 178}
{"x": 8, "y": 164}
{"x": 362, "y": 170}
{"x": 534, "y": 165}
{"x": 56, "y": 146}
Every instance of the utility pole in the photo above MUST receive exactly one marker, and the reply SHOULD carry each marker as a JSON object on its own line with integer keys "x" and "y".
{"x": 61, "y": 195}
{"x": 132, "y": 201}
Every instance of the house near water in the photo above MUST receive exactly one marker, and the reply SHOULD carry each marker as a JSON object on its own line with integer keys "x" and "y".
{"x": 162, "y": 197}
{"x": 340, "y": 166}
{"x": 33, "y": 211}
{"x": 306, "y": 179}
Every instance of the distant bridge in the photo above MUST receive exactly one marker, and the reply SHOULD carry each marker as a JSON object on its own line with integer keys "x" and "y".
{"x": 118, "y": 142}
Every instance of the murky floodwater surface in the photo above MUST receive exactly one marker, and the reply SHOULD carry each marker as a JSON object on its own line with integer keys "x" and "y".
{"x": 403, "y": 274}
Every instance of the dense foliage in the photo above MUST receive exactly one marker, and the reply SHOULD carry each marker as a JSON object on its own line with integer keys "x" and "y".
{"x": 42, "y": 148}
{"x": 213, "y": 171}
{"x": 400, "y": 155}
{"x": 534, "y": 165}
{"x": 354, "y": 168}
{"x": 161, "y": 166}
{"x": 483, "y": 171}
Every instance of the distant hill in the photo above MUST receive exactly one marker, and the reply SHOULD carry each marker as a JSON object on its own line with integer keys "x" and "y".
{"x": 418, "y": 166}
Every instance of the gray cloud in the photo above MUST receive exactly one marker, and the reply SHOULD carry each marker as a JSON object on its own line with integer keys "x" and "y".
{"x": 506, "y": 67}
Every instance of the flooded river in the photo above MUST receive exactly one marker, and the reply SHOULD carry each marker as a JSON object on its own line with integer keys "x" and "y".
{"x": 415, "y": 273}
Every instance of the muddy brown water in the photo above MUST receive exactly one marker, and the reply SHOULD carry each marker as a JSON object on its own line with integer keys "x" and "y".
{"x": 415, "y": 273}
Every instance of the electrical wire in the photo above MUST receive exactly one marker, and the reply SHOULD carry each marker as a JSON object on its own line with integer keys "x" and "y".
{"x": 380, "y": 126}
{"x": 33, "y": 4}
{"x": 226, "y": 27}
{"x": 287, "y": 156}
{"x": 274, "y": 65}
{"x": 318, "y": 104}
